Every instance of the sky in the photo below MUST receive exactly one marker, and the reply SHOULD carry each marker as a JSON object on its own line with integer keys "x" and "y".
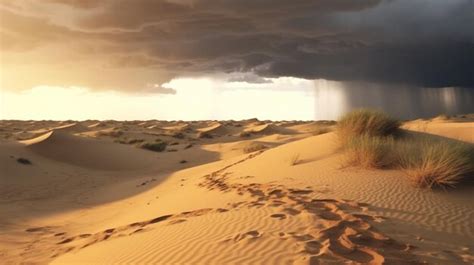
{"x": 227, "y": 59}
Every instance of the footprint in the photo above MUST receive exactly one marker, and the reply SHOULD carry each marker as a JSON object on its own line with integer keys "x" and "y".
{"x": 177, "y": 221}
{"x": 159, "y": 219}
{"x": 302, "y": 192}
{"x": 248, "y": 235}
{"x": 279, "y": 216}
{"x": 313, "y": 247}
{"x": 330, "y": 216}
{"x": 292, "y": 211}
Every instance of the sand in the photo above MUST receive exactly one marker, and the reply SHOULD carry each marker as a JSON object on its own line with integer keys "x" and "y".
{"x": 91, "y": 195}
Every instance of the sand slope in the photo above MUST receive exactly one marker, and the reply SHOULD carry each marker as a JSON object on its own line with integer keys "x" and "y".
{"x": 290, "y": 203}
{"x": 64, "y": 147}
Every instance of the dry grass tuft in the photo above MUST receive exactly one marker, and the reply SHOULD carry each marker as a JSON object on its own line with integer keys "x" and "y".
{"x": 157, "y": 147}
{"x": 371, "y": 152}
{"x": 436, "y": 163}
{"x": 366, "y": 122}
{"x": 368, "y": 139}
{"x": 253, "y": 147}
{"x": 295, "y": 160}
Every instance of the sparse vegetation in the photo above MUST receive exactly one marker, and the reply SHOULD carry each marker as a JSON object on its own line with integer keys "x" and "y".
{"x": 436, "y": 162}
{"x": 129, "y": 141}
{"x": 253, "y": 147}
{"x": 23, "y": 161}
{"x": 156, "y": 147}
{"x": 295, "y": 159}
{"x": 113, "y": 133}
{"x": 366, "y": 122}
{"x": 371, "y": 152}
{"x": 370, "y": 139}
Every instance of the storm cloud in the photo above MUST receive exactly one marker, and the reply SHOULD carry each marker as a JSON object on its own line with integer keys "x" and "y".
{"x": 414, "y": 43}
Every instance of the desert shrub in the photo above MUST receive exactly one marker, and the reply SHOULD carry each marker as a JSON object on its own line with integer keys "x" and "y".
{"x": 114, "y": 133}
{"x": 23, "y": 161}
{"x": 135, "y": 141}
{"x": 371, "y": 151}
{"x": 436, "y": 162}
{"x": 157, "y": 147}
{"x": 253, "y": 147}
{"x": 366, "y": 122}
{"x": 294, "y": 159}
{"x": 245, "y": 134}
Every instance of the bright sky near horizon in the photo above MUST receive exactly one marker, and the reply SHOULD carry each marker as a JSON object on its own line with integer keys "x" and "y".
{"x": 194, "y": 99}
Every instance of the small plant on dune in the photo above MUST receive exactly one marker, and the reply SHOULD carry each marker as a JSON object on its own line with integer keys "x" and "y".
{"x": 295, "y": 159}
{"x": 23, "y": 161}
{"x": 371, "y": 151}
{"x": 368, "y": 138}
{"x": 433, "y": 162}
{"x": 157, "y": 147}
{"x": 366, "y": 122}
{"x": 253, "y": 147}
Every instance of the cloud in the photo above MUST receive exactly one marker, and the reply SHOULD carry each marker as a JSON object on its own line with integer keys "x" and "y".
{"x": 159, "y": 89}
{"x": 249, "y": 78}
{"x": 394, "y": 42}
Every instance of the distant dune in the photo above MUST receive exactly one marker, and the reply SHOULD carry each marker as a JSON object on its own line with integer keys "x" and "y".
{"x": 89, "y": 193}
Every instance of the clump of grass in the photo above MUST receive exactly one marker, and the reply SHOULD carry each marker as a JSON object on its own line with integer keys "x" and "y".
{"x": 295, "y": 159}
{"x": 245, "y": 134}
{"x": 371, "y": 151}
{"x": 113, "y": 133}
{"x": 366, "y": 122}
{"x": 157, "y": 147}
{"x": 433, "y": 162}
{"x": 23, "y": 161}
{"x": 253, "y": 147}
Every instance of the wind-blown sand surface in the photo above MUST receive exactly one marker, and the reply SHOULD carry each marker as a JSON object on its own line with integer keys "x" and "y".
{"x": 228, "y": 192}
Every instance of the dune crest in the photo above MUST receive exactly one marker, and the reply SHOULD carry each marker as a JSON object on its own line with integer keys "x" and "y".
{"x": 62, "y": 146}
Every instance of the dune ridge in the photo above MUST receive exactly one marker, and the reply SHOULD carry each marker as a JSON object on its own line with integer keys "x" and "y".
{"x": 91, "y": 197}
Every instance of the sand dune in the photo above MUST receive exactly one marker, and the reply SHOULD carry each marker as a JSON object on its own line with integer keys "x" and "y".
{"x": 267, "y": 128}
{"x": 66, "y": 148}
{"x": 463, "y": 131}
{"x": 94, "y": 201}
{"x": 215, "y": 129}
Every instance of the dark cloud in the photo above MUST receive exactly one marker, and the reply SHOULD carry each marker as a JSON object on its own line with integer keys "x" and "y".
{"x": 249, "y": 78}
{"x": 412, "y": 42}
